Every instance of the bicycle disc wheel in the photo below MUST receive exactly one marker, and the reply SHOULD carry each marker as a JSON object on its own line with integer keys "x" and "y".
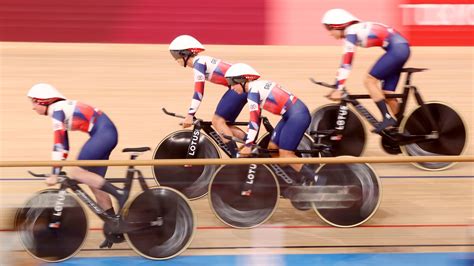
{"x": 51, "y": 244}
{"x": 169, "y": 223}
{"x": 353, "y": 211}
{"x": 191, "y": 180}
{"x": 451, "y": 129}
{"x": 239, "y": 211}
{"x": 353, "y": 139}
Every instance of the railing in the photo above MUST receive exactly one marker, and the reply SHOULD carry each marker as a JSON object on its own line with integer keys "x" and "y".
{"x": 326, "y": 160}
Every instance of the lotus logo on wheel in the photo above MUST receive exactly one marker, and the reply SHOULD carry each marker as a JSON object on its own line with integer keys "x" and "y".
{"x": 251, "y": 173}
{"x": 341, "y": 117}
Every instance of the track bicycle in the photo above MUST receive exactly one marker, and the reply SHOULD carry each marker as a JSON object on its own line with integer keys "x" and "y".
{"x": 203, "y": 141}
{"x": 158, "y": 223}
{"x": 432, "y": 128}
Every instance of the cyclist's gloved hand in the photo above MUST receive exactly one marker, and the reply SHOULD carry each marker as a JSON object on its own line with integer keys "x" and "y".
{"x": 335, "y": 95}
{"x": 51, "y": 180}
{"x": 188, "y": 121}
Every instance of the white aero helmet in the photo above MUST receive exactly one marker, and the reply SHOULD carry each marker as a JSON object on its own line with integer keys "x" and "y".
{"x": 240, "y": 73}
{"x": 44, "y": 94}
{"x": 338, "y": 19}
{"x": 185, "y": 45}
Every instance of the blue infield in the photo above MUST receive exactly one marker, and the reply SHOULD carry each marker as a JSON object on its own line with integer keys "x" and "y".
{"x": 366, "y": 259}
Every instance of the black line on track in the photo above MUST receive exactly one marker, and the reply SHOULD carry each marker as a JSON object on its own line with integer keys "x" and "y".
{"x": 306, "y": 247}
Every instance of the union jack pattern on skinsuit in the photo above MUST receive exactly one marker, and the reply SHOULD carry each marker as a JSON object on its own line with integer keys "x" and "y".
{"x": 269, "y": 96}
{"x": 67, "y": 116}
{"x": 364, "y": 34}
{"x": 210, "y": 69}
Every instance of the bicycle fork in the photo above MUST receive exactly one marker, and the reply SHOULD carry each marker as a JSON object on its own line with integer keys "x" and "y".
{"x": 193, "y": 145}
{"x": 426, "y": 112}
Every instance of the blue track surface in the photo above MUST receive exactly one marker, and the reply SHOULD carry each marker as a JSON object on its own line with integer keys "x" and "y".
{"x": 367, "y": 259}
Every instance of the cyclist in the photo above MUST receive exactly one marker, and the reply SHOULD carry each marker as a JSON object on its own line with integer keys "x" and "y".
{"x": 185, "y": 50}
{"x": 270, "y": 96}
{"x": 70, "y": 115}
{"x": 384, "y": 75}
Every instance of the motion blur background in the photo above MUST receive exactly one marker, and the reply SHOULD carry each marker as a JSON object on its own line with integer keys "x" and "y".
{"x": 113, "y": 54}
{"x": 251, "y": 22}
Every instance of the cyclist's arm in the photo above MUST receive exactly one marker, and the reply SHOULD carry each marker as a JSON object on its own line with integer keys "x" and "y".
{"x": 199, "y": 80}
{"x": 346, "y": 63}
{"x": 253, "y": 100}
{"x": 61, "y": 141}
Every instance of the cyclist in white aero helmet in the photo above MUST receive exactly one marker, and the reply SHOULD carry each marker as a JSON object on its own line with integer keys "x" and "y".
{"x": 44, "y": 94}
{"x": 71, "y": 115}
{"x": 185, "y": 50}
{"x": 338, "y": 19}
{"x": 384, "y": 75}
{"x": 184, "y": 47}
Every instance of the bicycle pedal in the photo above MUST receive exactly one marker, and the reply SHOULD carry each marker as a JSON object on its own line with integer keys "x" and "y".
{"x": 106, "y": 244}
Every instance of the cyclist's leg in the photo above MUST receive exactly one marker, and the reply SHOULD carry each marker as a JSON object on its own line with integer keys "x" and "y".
{"x": 298, "y": 120}
{"x": 273, "y": 144}
{"x": 373, "y": 86}
{"x": 104, "y": 138}
{"x": 383, "y": 71}
{"x": 292, "y": 131}
{"x": 228, "y": 110}
{"x": 393, "y": 103}
{"x": 95, "y": 182}
{"x": 372, "y": 83}
{"x": 389, "y": 84}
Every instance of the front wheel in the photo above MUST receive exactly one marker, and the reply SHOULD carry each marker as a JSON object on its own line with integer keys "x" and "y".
{"x": 452, "y": 133}
{"x": 39, "y": 238}
{"x": 353, "y": 139}
{"x": 161, "y": 223}
{"x": 244, "y": 211}
{"x": 191, "y": 180}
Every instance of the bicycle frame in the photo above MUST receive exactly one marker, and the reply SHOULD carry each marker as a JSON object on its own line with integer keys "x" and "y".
{"x": 206, "y": 126}
{"x": 403, "y": 139}
{"x": 85, "y": 198}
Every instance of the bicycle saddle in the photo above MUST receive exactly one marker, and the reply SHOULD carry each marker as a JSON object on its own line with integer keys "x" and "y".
{"x": 139, "y": 149}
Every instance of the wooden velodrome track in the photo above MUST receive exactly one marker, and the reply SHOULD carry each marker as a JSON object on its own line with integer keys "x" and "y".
{"x": 420, "y": 211}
